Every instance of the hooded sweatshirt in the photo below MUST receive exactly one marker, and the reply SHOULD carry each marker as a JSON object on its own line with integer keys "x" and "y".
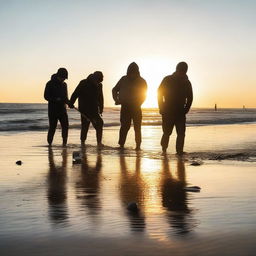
{"x": 90, "y": 97}
{"x": 130, "y": 89}
{"x": 175, "y": 94}
{"x": 56, "y": 94}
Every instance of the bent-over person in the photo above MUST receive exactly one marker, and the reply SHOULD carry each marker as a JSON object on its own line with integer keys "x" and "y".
{"x": 90, "y": 104}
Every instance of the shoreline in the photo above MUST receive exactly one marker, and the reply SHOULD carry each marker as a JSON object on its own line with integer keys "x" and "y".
{"x": 50, "y": 206}
{"x": 216, "y": 142}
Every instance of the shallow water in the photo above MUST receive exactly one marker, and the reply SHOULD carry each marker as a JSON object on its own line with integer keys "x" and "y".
{"x": 48, "y": 195}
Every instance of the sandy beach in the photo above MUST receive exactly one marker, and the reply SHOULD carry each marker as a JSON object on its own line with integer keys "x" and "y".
{"x": 50, "y": 206}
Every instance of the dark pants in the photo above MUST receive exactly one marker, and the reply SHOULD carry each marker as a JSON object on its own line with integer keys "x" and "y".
{"x": 53, "y": 121}
{"x": 97, "y": 123}
{"x": 127, "y": 115}
{"x": 168, "y": 122}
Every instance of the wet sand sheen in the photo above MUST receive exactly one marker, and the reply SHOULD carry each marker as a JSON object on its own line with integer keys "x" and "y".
{"x": 47, "y": 201}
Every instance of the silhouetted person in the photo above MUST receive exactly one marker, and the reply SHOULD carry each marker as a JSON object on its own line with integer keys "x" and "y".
{"x": 175, "y": 97}
{"x": 130, "y": 92}
{"x": 57, "y": 192}
{"x": 56, "y": 94}
{"x": 91, "y": 104}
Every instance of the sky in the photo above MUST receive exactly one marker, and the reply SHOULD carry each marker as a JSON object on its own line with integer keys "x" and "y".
{"x": 216, "y": 38}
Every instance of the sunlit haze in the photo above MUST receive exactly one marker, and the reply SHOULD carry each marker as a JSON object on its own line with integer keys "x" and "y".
{"x": 216, "y": 38}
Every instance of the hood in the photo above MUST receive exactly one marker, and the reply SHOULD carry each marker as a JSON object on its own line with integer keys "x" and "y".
{"x": 133, "y": 70}
{"x": 54, "y": 77}
{"x": 90, "y": 78}
{"x": 180, "y": 75}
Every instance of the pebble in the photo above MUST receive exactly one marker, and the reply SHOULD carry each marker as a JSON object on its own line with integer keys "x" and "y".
{"x": 133, "y": 207}
{"x": 196, "y": 163}
{"x": 192, "y": 189}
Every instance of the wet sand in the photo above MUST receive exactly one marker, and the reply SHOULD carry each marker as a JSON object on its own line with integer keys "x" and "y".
{"x": 50, "y": 206}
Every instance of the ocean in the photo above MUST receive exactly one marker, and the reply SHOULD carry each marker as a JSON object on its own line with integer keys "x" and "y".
{"x": 19, "y": 117}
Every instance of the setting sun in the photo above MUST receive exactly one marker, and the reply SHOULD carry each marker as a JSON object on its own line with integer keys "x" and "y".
{"x": 154, "y": 69}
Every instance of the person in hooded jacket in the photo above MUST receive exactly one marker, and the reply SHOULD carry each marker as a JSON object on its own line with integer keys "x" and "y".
{"x": 175, "y": 97}
{"x": 130, "y": 92}
{"x": 57, "y": 96}
{"x": 90, "y": 104}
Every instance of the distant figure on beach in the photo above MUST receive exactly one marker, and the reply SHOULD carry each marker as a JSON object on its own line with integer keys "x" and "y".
{"x": 130, "y": 92}
{"x": 90, "y": 104}
{"x": 215, "y": 107}
{"x": 175, "y": 97}
{"x": 57, "y": 96}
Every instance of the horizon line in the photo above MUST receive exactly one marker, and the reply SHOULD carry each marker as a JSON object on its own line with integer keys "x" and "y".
{"x": 242, "y": 107}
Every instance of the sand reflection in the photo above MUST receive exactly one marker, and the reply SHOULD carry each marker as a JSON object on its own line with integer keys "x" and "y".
{"x": 174, "y": 197}
{"x": 57, "y": 191}
{"x": 88, "y": 184}
{"x": 132, "y": 190}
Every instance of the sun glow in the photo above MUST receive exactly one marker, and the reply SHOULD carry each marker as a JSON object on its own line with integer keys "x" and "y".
{"x": 154, "y": 69}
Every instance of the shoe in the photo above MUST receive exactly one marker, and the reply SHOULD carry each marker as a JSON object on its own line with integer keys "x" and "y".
{"x": 138, "y": 148}
{"x": 121, "y": 147}
{"x": 180, "y": 153}
{"x": 100, "y": 145}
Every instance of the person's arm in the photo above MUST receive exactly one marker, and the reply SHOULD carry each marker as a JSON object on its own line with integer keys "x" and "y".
{"x": 142, "y": 93}
{"x": 189, "y": 98}
{"x": 48, "y": 93}
{"x": 66, "y": 94}
{"x": 160, "y": 96}
{"x": 100, "y": 99}
{"x": 115, "y": 92}
{"x": 75, "y": 95}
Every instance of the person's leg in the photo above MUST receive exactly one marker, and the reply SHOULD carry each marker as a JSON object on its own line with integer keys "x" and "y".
{"x": 97, "y": 123}
{"x": 84, "y": 129}
{"x": 125, "y": 119}
{"x": 53, "y": 120}
{"x": 137, "y": 118}
{"x": 167, "y": 126}
{"x": 180, "y": 129}
{"x": 64, "y": 127}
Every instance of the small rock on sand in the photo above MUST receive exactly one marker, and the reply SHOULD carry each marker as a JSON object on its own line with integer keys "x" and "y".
{"x": 133, "y": 207}
{"x": 192, "y": 189}
{"x": 196, "y": 163}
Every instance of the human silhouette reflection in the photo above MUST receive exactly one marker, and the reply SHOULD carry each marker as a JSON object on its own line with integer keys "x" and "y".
{"x": 57, "y": 191}
{"x": 88, "y": 185}
{"x": 131, "y": 190}
{"x": 174, "y": 197}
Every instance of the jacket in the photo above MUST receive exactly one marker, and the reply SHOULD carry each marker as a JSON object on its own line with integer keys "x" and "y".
{"x": 175, "y": 94}
{"x": 90, "y": 97}
{"x": 56, "y": 94}
{"x": 131, "y": 89}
